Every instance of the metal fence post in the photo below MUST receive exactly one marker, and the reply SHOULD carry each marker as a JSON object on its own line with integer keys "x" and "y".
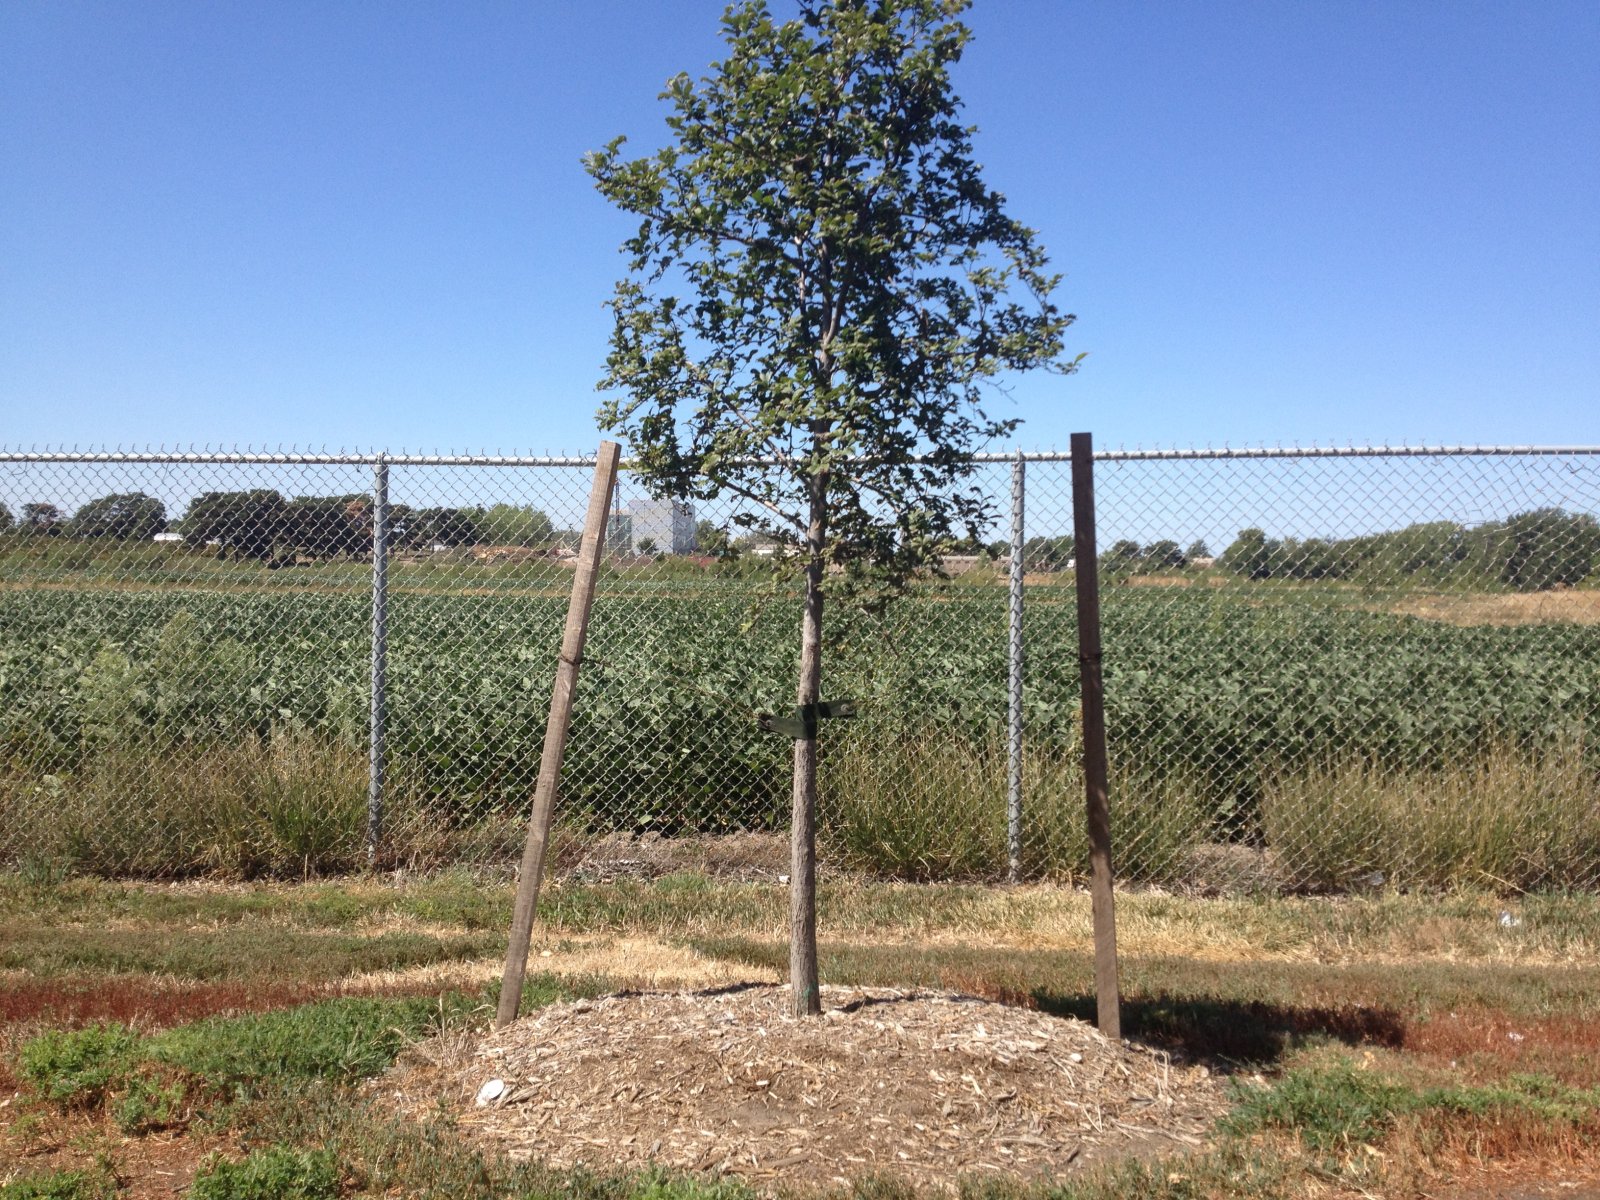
{"x": 1014, "y": 716}
{"x": 380, "y": 655}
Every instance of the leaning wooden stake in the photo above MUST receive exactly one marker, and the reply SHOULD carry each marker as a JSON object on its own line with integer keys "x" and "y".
{"x": 1087, "y": 575}
{"x": 555, "y": 734}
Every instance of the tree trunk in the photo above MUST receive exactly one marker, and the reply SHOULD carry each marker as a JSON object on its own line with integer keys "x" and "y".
{"x": 804, "y": 995}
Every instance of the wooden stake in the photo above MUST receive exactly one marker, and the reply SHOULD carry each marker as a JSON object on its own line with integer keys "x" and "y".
{"x": 555, "y": 733}
{"x": 1092, "y": 689}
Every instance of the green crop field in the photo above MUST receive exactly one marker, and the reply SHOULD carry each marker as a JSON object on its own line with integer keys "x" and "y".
{"x": 1222, "y": 693}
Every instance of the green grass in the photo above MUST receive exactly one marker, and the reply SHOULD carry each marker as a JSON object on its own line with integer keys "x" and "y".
{"x": 62, "y": 1185}
{"x": 1327, "y": 1109}
{"x": 276, "y": 1173}
{"x": 344, "y": 1041}
{"x": 214, "y": 1066}
{"x": 77, "y": 1068}
{"x": 1339, "y": 1106}
{"x": 215, "y": 955}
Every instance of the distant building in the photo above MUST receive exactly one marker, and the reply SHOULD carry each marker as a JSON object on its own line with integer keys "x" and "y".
{"x": 619, "y": 532}
{"x": 665, "y": 526}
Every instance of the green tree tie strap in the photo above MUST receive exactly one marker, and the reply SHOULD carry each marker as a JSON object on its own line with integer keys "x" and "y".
{"x": 802, "y": 723}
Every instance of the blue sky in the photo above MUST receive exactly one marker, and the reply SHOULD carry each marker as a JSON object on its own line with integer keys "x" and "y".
{"x": 366, "y": 225}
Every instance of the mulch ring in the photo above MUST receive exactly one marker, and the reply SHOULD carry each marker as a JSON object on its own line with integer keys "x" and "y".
{"x": 920, "y": 1085}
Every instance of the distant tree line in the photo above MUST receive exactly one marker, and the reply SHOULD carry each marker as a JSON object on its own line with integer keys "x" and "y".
{"x": 261, "y": 524}
{"x": 1530, "y": 551}
{"x": 125, "y": 516}
{"x": 1126, "y": 556}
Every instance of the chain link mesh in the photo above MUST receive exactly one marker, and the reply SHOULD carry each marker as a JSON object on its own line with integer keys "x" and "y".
{"x": 1323, "y": 671}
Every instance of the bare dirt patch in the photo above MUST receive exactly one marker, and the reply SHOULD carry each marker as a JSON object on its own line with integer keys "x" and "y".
{"x": 924, "y": 1086}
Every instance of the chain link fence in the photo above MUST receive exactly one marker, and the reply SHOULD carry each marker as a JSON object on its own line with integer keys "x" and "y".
{"x": 1325, "y": 670}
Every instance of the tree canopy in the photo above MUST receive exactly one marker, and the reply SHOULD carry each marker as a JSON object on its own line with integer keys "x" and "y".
{"x": 39, "y": 516}
{"x": 822, "y": 285}
{"x": 126, "y": 516}
{"x": 1528, "y": 551}
{"x": 245, "y": 524}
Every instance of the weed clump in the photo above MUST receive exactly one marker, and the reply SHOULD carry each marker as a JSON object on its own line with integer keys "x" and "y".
{"x": 1330, "y": 1109}
{"x": 1519, "y": 818}
{"x": 77, "y": 1068}
{"x": 276, "y": 1173}
{"x": 61, "y": 1185}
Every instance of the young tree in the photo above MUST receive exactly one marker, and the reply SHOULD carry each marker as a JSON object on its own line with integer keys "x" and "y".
{"x": 820, "y": 289}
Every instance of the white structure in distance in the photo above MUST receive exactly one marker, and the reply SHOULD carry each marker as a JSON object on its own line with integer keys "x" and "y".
{"x": 652, "y": 527}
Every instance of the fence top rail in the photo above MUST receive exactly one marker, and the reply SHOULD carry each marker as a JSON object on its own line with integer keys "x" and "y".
{"x": 402, "y": 459}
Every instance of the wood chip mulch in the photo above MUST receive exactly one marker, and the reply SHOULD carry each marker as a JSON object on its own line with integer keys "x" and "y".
{"x": 924, "y": 1086}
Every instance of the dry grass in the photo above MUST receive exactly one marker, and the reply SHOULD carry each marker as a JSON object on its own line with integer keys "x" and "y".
{"x": 957, "y": 827}
{"x": 631, "y": 962}
{"x": 1512, "y": 818}
{"x": 278, "y": 920}
{"x": 1566, "y": 605}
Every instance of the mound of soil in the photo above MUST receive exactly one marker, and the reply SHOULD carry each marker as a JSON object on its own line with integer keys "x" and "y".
{"x": 924, "y": 1086}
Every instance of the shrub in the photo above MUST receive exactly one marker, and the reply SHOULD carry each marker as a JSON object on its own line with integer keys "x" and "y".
{"x": 146, "y": 1105}
{"x": 918, "y": 807}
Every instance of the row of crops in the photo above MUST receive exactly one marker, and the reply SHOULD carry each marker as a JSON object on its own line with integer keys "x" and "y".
{"x": 1218, "y": 685}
